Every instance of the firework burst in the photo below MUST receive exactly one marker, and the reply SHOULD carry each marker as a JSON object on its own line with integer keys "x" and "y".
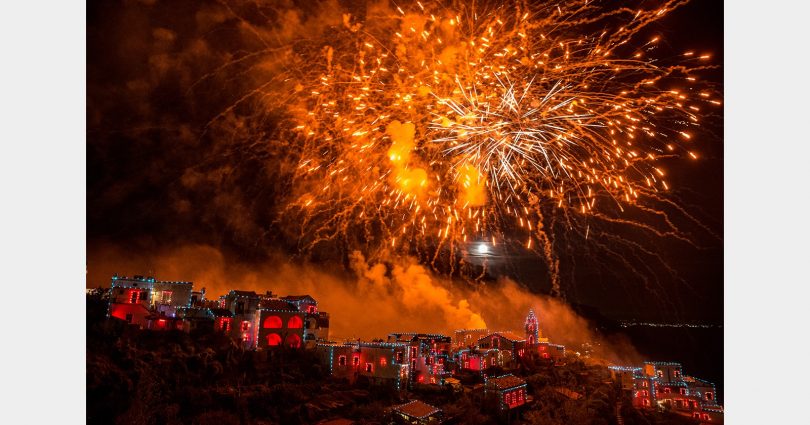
{"x": 425, "y": 128}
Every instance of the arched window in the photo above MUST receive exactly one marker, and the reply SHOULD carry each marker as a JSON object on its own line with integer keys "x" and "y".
{"x": 295, "y": 322}
{"x": 293, "y": 341}
{"x": 273, "y": 339}
{"x": 272, "y": 322}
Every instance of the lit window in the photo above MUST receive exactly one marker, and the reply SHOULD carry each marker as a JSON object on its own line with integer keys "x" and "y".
{"x": 342, "y": 361}
{"x": 399, "y": 357}
{"x": 709, "y": 396}
{"x": 245, "y": 325}
{"x": 369, "y": 367}
{"x": 705, "y": 416}
{"x": 382, "y": 361}
{"x": 293, "y": 341}
{"x": 295, "y": 322}
{"x": 644, "y": 384}
{"x": 683, "y": 391}
{"x": 356, "y": 361}
{"x": 272, "y": 322}
{"x": 667, "y": 390}
{"x": 273, "y": 340}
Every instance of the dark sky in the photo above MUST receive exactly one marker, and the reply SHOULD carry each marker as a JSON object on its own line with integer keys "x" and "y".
{"x": 162, "y": 174}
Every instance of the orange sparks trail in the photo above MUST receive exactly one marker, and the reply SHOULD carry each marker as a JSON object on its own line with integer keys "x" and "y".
{"x": 427, "y": 127}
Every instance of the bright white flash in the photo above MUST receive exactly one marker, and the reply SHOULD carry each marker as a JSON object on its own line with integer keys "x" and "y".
{"x": 483, "y": 249}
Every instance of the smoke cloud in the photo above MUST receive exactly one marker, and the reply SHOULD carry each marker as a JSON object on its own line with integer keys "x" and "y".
{"x": 368, "y": 301}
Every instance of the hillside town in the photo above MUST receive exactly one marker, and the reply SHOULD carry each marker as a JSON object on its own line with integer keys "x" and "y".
{"x": 489, "y": 364}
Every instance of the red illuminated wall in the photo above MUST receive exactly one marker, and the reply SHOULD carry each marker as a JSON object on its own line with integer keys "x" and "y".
{"x": 280, "y": 327}
{"x": 514, "y": 398}
{"x": 137, "y": 313}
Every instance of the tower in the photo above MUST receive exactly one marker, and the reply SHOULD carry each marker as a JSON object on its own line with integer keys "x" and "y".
{"x": 532, "y": 328}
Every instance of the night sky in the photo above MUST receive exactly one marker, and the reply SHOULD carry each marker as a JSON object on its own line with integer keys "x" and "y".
{"x": 163, "y": 173}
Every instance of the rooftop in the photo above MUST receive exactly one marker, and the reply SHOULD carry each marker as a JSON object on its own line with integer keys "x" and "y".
{"x": 221, "y": 312}
{"x": 417, "y": 409}
{"x": 277, "y": 304}
{"x": 419, "y": 335}
{"x": 298, "y": 298}
{"x": 506, "y": 335}
{"x": 505, "y": 382}
{"x": 244, "y": 293}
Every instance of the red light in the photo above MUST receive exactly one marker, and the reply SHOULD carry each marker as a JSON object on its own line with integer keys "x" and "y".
{"x": 295, "y": 322}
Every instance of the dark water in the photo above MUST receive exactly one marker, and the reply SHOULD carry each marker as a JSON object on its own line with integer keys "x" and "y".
{"x": 699, "y": 350}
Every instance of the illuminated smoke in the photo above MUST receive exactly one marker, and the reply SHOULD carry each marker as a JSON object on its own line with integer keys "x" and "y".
{"x": 370, "y": 302}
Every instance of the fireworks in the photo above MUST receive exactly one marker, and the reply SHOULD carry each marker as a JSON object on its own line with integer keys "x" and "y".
{"x": 426, "y": 128}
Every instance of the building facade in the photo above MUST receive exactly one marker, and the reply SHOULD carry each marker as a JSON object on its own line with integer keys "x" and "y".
{"x": 135, "y": 299}
{"x": 382, "y": 363}
{"x": 663, "y": 385}
{"x": 506, "y": 392}
{"x": 429, "y": 355}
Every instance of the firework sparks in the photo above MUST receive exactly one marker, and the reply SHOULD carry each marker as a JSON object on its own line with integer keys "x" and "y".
{"x": 439, "y": 126}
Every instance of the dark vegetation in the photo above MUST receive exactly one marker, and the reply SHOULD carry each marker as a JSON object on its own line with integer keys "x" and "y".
{"x": 141, "y": 377}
